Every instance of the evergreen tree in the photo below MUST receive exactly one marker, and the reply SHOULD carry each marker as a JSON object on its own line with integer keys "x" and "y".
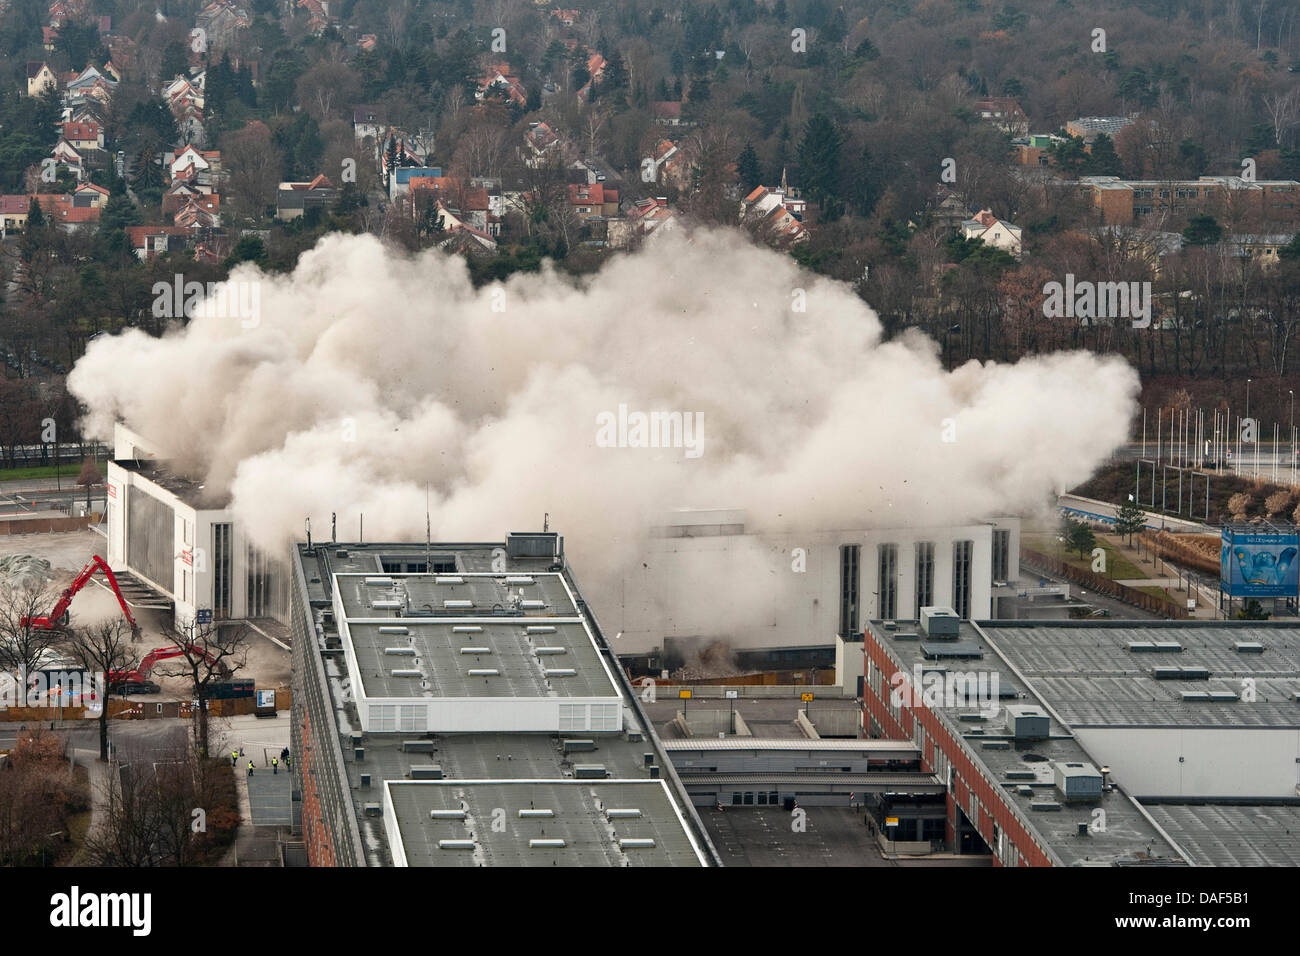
{"x": 1202, "y": 231}
{"x": 35, "y": 217}
{"x": 748, "y": 168}
{"x": 1130, "y": 520}
{"x": 819, "y": 163}
{"x": 1103, "y": 160}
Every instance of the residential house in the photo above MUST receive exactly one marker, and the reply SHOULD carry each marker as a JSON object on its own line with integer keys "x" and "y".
{"x": 200, "y": 212}
{"x": 670, "y": 164}
{"x": 540, "y": 140}
{"x": 61, "y": 208}
{"x": 400, "y": 182}
{"x": 764, "y": 212}
{"x": 13, "y": 214}
{"x": 88, "y": 194}
{"x": 294, "y": 199}
{"x": 596, "y": 70}
{"x": 498, "y": 79}
{"x": 318, "y": 18}
{"x": 40, "y": 78}
{"x": 90, "y": 83}
{"x": 367, "y": 121}
{"x": 993, "y": 231}
{"x": 1004, "y": 113}
{"x": 200, "y": 167}
{"x": 148, "y": 241}
{"x": 368, "y": 42}
{"x": 646, "y": 216}
{"x": 593, "y": 201}
{"x": 84, "y": 135}
{"x": 220, "y": 20}
{"x": 1263, "y": 248}
{"x": 566, "y": 17}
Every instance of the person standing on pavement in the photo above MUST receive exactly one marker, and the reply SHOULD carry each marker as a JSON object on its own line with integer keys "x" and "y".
{"x": 250, "y": 768}
{"x": 275, "y": 766}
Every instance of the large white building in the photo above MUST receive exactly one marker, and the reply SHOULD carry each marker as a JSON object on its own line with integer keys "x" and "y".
{"x": 707, "y": 576}
{"x": 174, "y": 536}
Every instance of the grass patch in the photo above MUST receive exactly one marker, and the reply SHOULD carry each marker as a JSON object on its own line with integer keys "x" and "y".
{"x": 1118, "y": 565}
{"x": 69, "y": 470}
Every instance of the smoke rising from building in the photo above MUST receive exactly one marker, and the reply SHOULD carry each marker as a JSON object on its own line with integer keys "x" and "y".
{"x": 370, "y": 376}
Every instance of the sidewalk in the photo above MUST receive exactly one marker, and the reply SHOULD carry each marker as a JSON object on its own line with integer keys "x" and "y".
{"x": 260, "y": 739}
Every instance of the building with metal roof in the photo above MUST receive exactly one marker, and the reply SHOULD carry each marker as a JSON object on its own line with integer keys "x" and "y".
{"x": 1085, "y": 742}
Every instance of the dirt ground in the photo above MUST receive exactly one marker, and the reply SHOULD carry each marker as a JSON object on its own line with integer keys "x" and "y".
{"x": 69, "y": 552}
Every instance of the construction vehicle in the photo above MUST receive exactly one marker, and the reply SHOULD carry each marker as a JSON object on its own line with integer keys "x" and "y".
{"x": 58, "y": 618}
{"x": 141, "y": 673}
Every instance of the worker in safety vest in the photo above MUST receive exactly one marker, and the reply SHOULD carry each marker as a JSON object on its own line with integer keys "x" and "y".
{"x": 234, "y": 758}
{"x": 275, "y": 766}
{"x": 250, "y": 768}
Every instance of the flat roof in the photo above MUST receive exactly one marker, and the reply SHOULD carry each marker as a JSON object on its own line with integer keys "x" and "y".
{"x": 1024, "y": 770}
{"x": 446, "y": 656}
{"x": 488, "y": 595}
{"x": 582, "y": 815}
{"x": 191, "y": 492}
{"x": 1233, "y": 834}
{"x": 1103, "y": 674}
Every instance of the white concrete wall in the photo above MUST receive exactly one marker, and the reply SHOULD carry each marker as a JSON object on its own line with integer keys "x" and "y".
{"x": 745, "y": 589}
{"x": 1218, "y": 762}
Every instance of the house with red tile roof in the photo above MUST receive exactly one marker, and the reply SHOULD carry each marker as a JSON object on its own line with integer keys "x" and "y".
{"x": 148, "y": 241}
{"x": 498, "y": 78}
{"x": 84, "y": 135}
{"x": 645, "y": 217}
{"x": 593, "y": 200}
{"x": 765, "y": 213}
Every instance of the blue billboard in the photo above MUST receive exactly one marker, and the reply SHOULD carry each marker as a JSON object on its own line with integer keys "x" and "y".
{"x": 1255, "y": 564}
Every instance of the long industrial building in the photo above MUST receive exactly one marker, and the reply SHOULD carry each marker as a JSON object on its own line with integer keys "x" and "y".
{"x": 1098, "y": 743}
{"x": 458, "y": 705}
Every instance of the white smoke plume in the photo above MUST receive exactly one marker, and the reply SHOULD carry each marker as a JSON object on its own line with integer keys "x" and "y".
{"x": 371, "y": 375}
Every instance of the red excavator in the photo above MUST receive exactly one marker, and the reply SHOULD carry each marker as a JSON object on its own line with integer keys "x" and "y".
{"x": 146, "y": 667}
{"x": 58, "y": 617}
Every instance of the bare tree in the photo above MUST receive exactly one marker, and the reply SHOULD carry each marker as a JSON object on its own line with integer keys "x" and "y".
{"x": 1283, "y": 111}
{"x": 252, "y": 165}
{"x": 23, "y": 645}
{"x": 208, "y": 653}
{"x": 101, "y": 649}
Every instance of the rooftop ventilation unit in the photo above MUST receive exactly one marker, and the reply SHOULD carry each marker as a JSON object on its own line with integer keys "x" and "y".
{"x": 940, "y": 622}
{"x": 447, "y": 814}
{"x": 907, "y": 636}
{"x": 622, "y": 813}
{"x": 484, "y": 672}
{"x": 377, "y": 582}
{"x": 890, "y": 625}
{"x": 533, "y": 814}
{"x": 467, "y": 629}
{"x": 405, "y": 672}
{"x": 590, "y": 771}
{"x": 533, "y": 545}
{"x": 547, "y": 843}
{"x": 448, "y": 579}
{"x": 385, "y": 604}
{"x": 1180, "y": 673}
{"x": 539, "y": 629}
{"x": 431, "y": 771}
{"x": 476, "y": 650}
{"x": 532, "y": 605}
{"x": 1025, "y": 791}
{"x": 1044, "y": 806}
{"x": 1026, "y": 722}
{"x": 1077, "y": 780}
{"x": 1249, "y": 647}
{"x": 457, "y": 604}
{"x": 996, "y": 745}
{"x": 374, "y": 810}
{"x": 417, "y": 746}
{"x": 560, "y": 671}
{"x": 519, "y": 580}
{"x": 400, "y": 651}
{"x": 395, "y": 629}
{"x": 456, "y": 844}
{"x": 636, "y": 843}
{"x": 1021, "y": 775}
{"x": 1155, "y": 647}
{"x": 549, "y": 651}
{"x": 577, "y": 746}
{"x": 953, "y": 650}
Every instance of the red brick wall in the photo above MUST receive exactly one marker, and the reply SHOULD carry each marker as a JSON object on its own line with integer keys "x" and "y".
{"x": 992, "y": 809}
